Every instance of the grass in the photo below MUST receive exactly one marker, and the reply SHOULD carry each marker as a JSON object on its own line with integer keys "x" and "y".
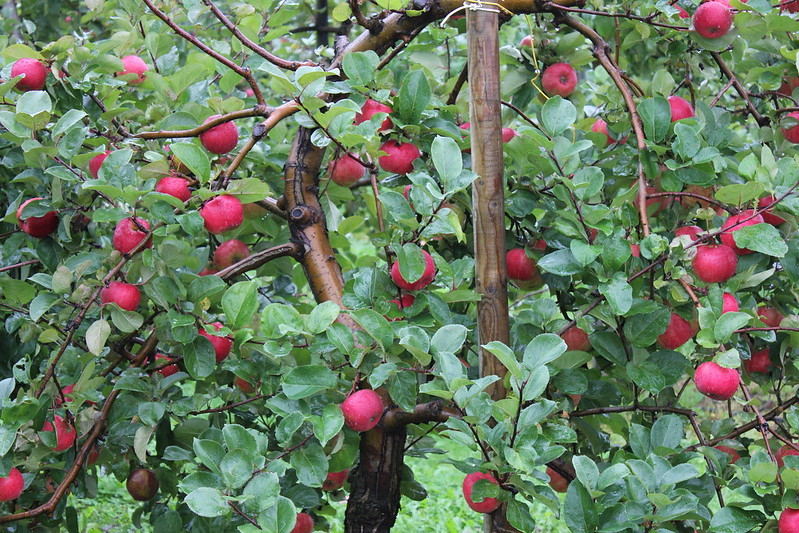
{"x": 110, "y": 511}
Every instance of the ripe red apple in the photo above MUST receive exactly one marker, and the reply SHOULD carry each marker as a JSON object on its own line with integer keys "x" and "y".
{"x": 127, "y": 235}
{"x": 34, "y": 71}
{"x": 249, "y": 93}
{"x": 406, "y": 300}
{"x": 715, "y": 381}
{"x": 789, "y": 519}
{"x": 208, "y": 271}
{"x": 220, "y": 139}
{"x": 134, "y": 65}
{"x": 39, "y": 227}
{"x": 576, "y": 339}
{"x": 768, "y": 217}
{"x": 64, "y": 433}
{"x": 125, "y": 295}
{"x": 556, "y": 481}
{"x": 788, "y": 85}
{"x": 488, "y": 505}
{"x": 730, "y": 303}
{"x": 427, "y": 278}
{"x": 714, "y": 263}
{"x": 345, "y": 170}
{"x": 734, "y": 456}
{"x": 784, "y": 452}
{"x": 691, "y": 231}
{"x": 230, "y": 252}
{"x": 222, "y": 213}
{"x": 792, "y": 134}
{"x": 96, "y": 162}
{"x": 66, "y": 391}
{"x": 600, "y": 126}
{"x": 733, "y": 224}
{"x": 635, "y": 249}
{"x": 677, "y": 333}
{"x": 174, "y": 186}
{"x": 222, "y": 345}
{"x": 142, "y": 484}
{"x": 523, "y": 269}
{"x": 362, "y": 410}
{"x": 167, "y": 370}
{"x": 680, "y": 108}
{"x": 759, "y": 362}
{"x": 712, "y": 20}
{"x": 559, "y": 79}
{"x": 399, "y": 157}
{"x": 507, "y": 133}
{"x": 770, "y": 316}
{"x": 335, "y": 480}
{"x": 243, "y": 385}
{"x": 683, "y": 14}
{"x": 369, "y": 109}
{"x": 791, "y": 6}
{"x": 11, "y": 485}
{"x": 304, "y": 524}
{"x": 527, "y": 42}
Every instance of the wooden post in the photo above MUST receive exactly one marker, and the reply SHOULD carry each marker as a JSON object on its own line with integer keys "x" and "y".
{"x": 488, "y": 202}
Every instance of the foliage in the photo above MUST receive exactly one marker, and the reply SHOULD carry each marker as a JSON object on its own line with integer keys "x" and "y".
{"x": 613, "y": 418}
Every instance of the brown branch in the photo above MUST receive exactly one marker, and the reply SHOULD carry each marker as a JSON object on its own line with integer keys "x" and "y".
{"x": 19, "y": 265}
{"x": 456, "y": 89}
{"x": 258, "y": 259}
{"x": 740, "y": 89}
{"x": 434, "y": 411}
{"x": 637, "y": 18}
{"x": 259, "y": 110}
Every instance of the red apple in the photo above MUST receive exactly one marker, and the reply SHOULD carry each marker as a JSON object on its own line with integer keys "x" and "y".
{"x": 142, "y": 484}
{"x": 523, "y": 269}
{"x": 768, "y": 217}
{"x": 125, "y": 295}
{"x": 34, "y": 71}
{"x": 527, "y": 42}
{"x": 736, "y": 222}
{"x": 770, "y": 316}
{"x": 167, "y": 370}
{"x": 691, "y": 231}
{"x": 222, "y": 213}
{"x": 134, "y": 65}
{"x": 66, "y": 391}
{"x": 792, "y": 134}
{"x": 427, "y": 278}
{"x": 96, "y": 162}
{"x": 345, "y": 170}
{"x": 174, "y": 186}
{"x": 304, "y": 524}
{"x": 677, "y": 333}
{"x": 230, "y": 252}
{"x": 635, "y": 249}
{"x": 249, "y": 93}
{"x": 730, "y": 303}
{"x": 127, "y": 235}
{"x": 791, "y": 6}
{"x": 222, "y": 345}
{"x": 576, "y": 339}
{"x": 715, "y": 381}
{"x": 784, "y": 452}
{"x": 243, "y": 385}
{"x": 734, "y": 456}
{"x": 681, "y": 12}
{"x": 39, "y": 227}
{"x": 789, "y": 519}
{"x": 406, "y": 300}
{"x": 208, "y": 271}
{"x": 362, "y": 410}
{"x": 399, "y": 157}
{"x": 712, "y": 20}
{"x": 788, "y": 85}
{"x": 11, "y": 485}
{"x": 507, "y": 133}
{"x": 220, "y": 139}
{"x": 488, "y": 505}
{"x": 65, "y": 434}
{"x": 680, "y": 108}
{"x": 369, "y": 109}
{"x": 759, "y": 362}
{"x": 556, "y": 481}
{"x": 714, "y": 263}
{"x": 600, "y": 126}
{"x": 559, "y": 79}
{"x": 335, "y": 480}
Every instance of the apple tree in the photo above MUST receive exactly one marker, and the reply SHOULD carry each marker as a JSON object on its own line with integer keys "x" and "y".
{"x": 245, "y": 248}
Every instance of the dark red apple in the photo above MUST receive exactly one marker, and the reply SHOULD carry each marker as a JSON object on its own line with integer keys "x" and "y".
{"x": 127, "y": 235}
{"x": 369, "y": 109}
{"x": 788, "y": 85}
{"x": 34, "y": 71}
{"x": 576, "y": 339}
{"x": 527, "y": 42}
{"x": 523, "y": 269}
{"x": 222, "y": 345}
{"x": 362, "y": 410}
{"x": 712, "y": 20}
{"x": 768, "y": 216}
{"x": 600, "y": 126}
{"x": 734, "y": 456}
{"x": 39, "y": 227}
{"x": 11, "y": 486}
{"x": 134, "y": 65}
{"x": 345, "y": 170}
{"x": 427, "y": 278}
{"x": 230, "y": 252}
{"x": 677, "y": 333}
{"x": 789, "y": 519}
{"x": 759, "y": 362}
{"x": 142, "y": 484}
{"x": 784, "y": 452}
{"x": 488, "y": 505}
{"x": 680, "y": 108}
{"x": 559, "y": 79}
{"x": 304, "y": 524}
{"x": 715, "y": 381}
{"x": 399, "y": 157}
{"x": 730, "y": 303}
{"x": 715, "y": 263}
{"x": 96, "y": 162}
{"x": 556, "y": 481}
{"x": 335, "y": 480}
{"x": 243, "y": 385}
{"x": 222, "y": 213}
{"x": 691, "y": 231}
{"x": 64, "y": 433}
{"x": 406, "y": 300}
{"x": 167, "y": 370}
{"x": 791, "y": 6}
{"x": 220, "y": 139}
{"x": 174, "y": 186}
{"x": 736, "y": 222}
{"x": 770, "y": 316}
{"x": 125, "y": 295}
{"x": 791, "y": 134}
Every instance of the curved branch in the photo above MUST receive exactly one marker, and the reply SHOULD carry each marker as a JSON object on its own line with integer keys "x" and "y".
{"x": 740, "y": 89}
{"x": 260, "y": 110}
{"x": 260, "y": 258}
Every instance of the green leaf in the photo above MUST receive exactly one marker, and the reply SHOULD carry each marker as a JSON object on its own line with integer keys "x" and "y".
{"x": 449, "y": 338}
{"x": 687, "y": 141}
{"x": 289, "y": 426}
{"x": 262, "y": 491}
{"x": 280, "y": 517}
{"x": 656, "y": 116}
{"x": 609, "y": 346}
{"x": 727, "y": 323}
{"x": 618, "y": 293}
{"x": 327, "y": 426}
{"x": 360, "y": 67}
{"x": 588, "y": 182}
{"x": 96, "y": 336}
{"x": 579, "y": 510}
{"x": 557, "y": 114}
{"x": 305, "y": 381}
{"x": 193, "y": 157}
{"x": 505, "y": 356}
{"x": 376, "y": 325}
{"x": 411, "y": 262}
{"x": 236, "y": 468}
{"x": 413, "y": 97}
{"x": 763, "y": 238}
{"x": 279, "y": 319}
{"x": 587, "y": 471}
{"x": 447, "y": 159}
{"x": 240, "y": 303}
{"x": 561, "y": 263}
{"x": 322, "y": 316}
{"x": 739, "y": 193}
{"x": 209, "y": 452}
{"x": 208, "y": 502}
{"x": 199, "y": 357}
{"x": 643, "y": 330}
{"x": 204, "y": 287}
{"x": 543, "y": 349}
{"x": 310, "y": 463}
{"x": 151, "y": 413}
{"x": 69, "y": 119}
{"x": 647, "y": 375}
{"x": 667, "y": 432}
{"x": 237, "y": 436}
{"x": 735, "y": 520}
